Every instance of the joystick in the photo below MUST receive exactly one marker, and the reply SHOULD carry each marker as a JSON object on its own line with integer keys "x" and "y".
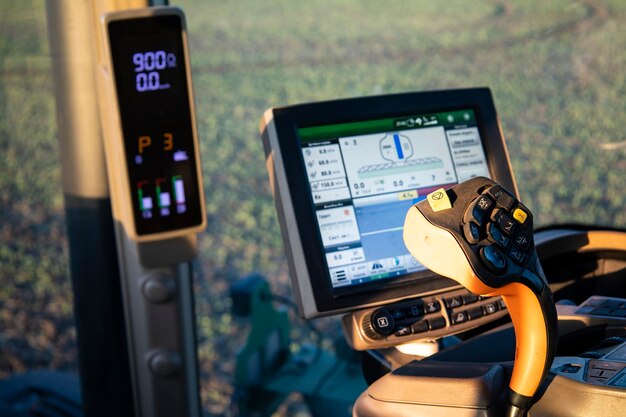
{"x": 481, "y": 236}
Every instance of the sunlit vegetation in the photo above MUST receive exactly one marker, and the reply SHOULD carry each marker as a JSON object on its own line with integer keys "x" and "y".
{"x": 556, "y": 70}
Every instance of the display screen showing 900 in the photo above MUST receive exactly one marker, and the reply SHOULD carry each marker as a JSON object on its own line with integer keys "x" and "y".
{"x": 149, "y": 64}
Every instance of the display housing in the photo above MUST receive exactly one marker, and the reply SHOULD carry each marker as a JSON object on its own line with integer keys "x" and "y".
{"x": 345, "y": 172}
{"x": 154, "y": 131}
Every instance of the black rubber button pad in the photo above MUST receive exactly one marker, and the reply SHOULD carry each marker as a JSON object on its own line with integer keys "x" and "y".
{"x": 494, "y": 234}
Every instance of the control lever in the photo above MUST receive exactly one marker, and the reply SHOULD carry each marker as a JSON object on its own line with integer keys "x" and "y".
{"x": 481, "y": 236}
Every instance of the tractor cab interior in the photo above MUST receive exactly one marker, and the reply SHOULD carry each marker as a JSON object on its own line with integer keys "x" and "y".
{"x": 345, "y": 173}
{"x": 373, "y": 247}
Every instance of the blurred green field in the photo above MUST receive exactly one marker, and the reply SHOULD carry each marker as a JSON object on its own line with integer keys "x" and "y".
{"x": 556, "y": 70}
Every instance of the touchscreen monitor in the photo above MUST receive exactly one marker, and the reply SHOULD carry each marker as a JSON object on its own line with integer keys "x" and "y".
{"x": 344, "y": 174}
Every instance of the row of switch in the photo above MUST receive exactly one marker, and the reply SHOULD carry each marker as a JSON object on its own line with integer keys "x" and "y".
{"x": 409, "y": 318}
{"x": 461, "y": 316}
{"x": 421, "y": 326}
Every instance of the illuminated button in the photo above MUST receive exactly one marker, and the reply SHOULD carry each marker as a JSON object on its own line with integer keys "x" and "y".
{"x": 403, "y": 331}
{"x": 472, "y": 232}
{"x": 454, "y": 302}
{"x": 506, "y": 223}
{"x": 431, "y": 306}
{"x": 415, "y": 310}
{"x": 522, "y": 241}
{"x": 502, "y": 197}
{"x": 459, "y": 317}
{"x": 398, "y": 314}
{"x": 490, "y": 308}
{"x": 439, "y": 200}
{"x": 477, "y": 210}
{"x": 493, "y": 258}
{"x": 496, "y": 236}
{"x": 383, "y": 322}
{"x": 520, "y": 215}
{"x": 517, "y": 255}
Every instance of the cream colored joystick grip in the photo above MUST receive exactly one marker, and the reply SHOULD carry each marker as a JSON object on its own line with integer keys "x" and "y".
{"x": 479, "y": 235}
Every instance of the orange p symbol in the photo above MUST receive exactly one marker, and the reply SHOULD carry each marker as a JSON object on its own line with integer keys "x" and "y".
{"x": 144, "y": 142}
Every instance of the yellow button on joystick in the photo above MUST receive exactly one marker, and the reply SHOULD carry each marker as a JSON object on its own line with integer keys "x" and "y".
{"x": 520, "y": 215}
{"x": 439, "y": 200}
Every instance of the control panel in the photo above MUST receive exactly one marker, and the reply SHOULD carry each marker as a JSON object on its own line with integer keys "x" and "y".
{"x": 420, "y": 319}
{"x": 603, "y": 307}
{"x": 605, "y": 365}
{"x": 496, "y": 216}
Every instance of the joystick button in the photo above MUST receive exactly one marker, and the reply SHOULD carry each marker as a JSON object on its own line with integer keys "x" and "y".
{"x": 478, "y": 209}
{"x": 502, "y": 197}
{"x": 493, "y": 258}
{"x": 496, "y": 236}
{"x": 522, "y": 241}
{"x": 472, "y": 232}
{"x": 520, "y": 215}
{"x": 506, "y": 223}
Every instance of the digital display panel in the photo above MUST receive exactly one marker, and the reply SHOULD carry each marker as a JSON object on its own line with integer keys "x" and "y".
{"x": 364, "y": 176}
{"x": 149, "y": 63}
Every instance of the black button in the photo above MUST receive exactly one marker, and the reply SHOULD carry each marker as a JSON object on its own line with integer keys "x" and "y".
{"x": 398, "y": 314}
{"x": 477, "y": 210}
{"x": 570, "y": 369}
{"x": 431, "y": 306}
{"x": 458, "y": 317}
{"x": 493, "y": 258}
{"x": 505, "y": 222}
{"x": 472, "y": 232}
{"x": 517, "y": 255}
{"x": 415, "y": 310}
{"x": 490, "y": 308}
{"x": 383, "y": 322}
{"x": 437, "y": 323}
{"x": 502, "y": 197}
{"x": 453, "y": 302}
{"x": 501, "y": 304}
{"x": 469, "y": 298}
{"x": 420, "y": 326}
{"x": 403, "y": 331}
{"x": 474, "y": 313}
{"x": 522, "y": 241}
{"x": 496, "y": 236}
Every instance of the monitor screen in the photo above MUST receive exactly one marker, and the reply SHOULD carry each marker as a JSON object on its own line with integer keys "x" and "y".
{"x": 149, "y": 64}
{"x": 364, "y": 176}
{"x": 344, "y": 174}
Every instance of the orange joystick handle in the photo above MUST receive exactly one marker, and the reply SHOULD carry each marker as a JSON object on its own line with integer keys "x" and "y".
{"x": 481, "y": 236}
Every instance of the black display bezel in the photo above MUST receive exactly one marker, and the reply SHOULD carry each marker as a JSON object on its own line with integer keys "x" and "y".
{"x": 178, "y": 118}
{"x": 288, "y": 120}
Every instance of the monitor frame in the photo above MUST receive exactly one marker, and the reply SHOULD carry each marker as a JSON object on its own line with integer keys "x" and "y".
{"x": 279, "y": 126}
{"x": 114, "y": 138}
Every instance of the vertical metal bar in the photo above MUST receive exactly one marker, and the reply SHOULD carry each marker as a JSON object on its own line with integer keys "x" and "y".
{"x": 98, "y": 308}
